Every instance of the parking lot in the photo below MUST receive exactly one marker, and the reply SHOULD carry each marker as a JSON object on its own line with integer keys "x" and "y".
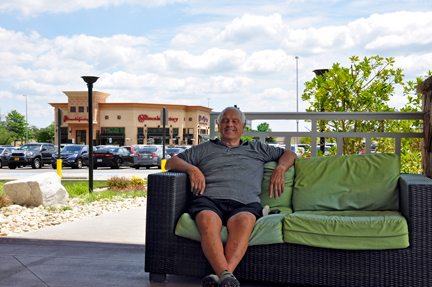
{"x": 101, "y": 173}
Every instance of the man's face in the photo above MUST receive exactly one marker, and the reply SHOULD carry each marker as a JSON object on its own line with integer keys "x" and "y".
{"x": 231, "y": 127}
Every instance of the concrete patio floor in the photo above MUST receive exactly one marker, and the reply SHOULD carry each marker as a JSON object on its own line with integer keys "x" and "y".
{"x": 106, "y": 250}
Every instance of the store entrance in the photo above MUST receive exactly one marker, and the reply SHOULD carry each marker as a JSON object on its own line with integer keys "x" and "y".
{"x": 81, "y": 136}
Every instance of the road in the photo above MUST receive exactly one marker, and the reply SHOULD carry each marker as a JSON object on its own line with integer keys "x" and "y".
{"x": 101, "y": 173}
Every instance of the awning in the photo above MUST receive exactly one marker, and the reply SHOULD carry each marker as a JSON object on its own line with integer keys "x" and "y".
{"x": 112, "y": 135}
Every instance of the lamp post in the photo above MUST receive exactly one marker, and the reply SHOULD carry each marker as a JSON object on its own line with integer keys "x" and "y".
{"x": 90, "y": 80}
{"x": 26, "y": 121}
{"x": 296, "y": 57}
{"x": 321, "y": 72}
{"x": 208, "y": 102}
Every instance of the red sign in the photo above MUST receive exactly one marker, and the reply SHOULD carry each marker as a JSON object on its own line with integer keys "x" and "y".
{"x": 79, "y": 119}
{"x": 142, "y": 118}
{"x": 202, "y": 120}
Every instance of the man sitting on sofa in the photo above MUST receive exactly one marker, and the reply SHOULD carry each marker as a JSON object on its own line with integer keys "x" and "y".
{"x": 226, "y": 177}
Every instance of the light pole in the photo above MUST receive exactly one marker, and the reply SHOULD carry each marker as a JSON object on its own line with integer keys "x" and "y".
{"x": 90, "y": 80}
{"x": 26, "y": 121}
{"x": 208, "y": 102}
{"x": 296, "y": 57}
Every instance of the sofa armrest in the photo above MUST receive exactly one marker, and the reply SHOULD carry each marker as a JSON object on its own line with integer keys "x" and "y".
{"x": 167, "y": 198}
{"x": 415, "y": 205}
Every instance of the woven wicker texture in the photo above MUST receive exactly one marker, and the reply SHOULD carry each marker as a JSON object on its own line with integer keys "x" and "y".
{"x": 284, "y": 263}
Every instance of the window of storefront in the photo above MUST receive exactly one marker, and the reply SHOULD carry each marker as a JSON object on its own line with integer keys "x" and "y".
{"x": 156, "y": 135}
{"x": 81, "y": 109}
{"x": 112, "y": 136}
{"x": 73, "y": 109}
{"x": 141, "y": 136}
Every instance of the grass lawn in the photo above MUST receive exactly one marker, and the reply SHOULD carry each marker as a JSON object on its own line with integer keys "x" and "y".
{"x": 80, "y": 191}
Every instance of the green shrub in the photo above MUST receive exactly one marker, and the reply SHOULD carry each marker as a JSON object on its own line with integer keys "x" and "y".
{"x": 135, "y": 180}
{"x": 116, "y": 182}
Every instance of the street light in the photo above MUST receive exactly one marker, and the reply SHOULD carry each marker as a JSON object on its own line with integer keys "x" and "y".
{"x": 26, "y": 121}
{"x": 90, "y": 80}
{"x": 208, "y": 102}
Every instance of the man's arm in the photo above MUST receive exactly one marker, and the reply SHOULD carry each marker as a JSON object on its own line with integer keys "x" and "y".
{"x": 196, "y": 177}
{"x": 277, "y": 180}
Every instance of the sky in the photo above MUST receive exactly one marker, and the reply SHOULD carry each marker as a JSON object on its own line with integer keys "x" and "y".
{"x": 198, "y": 52}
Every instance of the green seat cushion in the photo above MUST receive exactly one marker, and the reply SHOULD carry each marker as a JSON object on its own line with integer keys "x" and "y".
{"x": 267, "y": 230}
{"x": 354, "y": 182}
{"x": 356, "y": 230}
{"x": 285, "y": 199}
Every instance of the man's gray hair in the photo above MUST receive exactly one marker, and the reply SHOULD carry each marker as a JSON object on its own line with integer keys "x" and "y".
{"x": 242, "y": 115}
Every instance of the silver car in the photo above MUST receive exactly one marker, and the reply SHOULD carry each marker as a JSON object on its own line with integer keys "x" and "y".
{"x": 149, "y": 156}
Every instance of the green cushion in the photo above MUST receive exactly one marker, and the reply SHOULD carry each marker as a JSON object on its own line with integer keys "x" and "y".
{"x": 267, "y": 230}
{"x": 285, "y": 199}
{"x": 357, "y": 230}
{"x": 354, "y": 182}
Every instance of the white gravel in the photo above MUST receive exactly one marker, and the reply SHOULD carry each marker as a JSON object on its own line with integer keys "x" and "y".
{"x": 17, "y": 219}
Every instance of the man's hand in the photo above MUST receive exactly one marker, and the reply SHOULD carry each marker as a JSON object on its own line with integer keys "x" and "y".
{"x": 197, "y": 181}
{"x": 196, "y": 177}
{"x": 277, "y": 182}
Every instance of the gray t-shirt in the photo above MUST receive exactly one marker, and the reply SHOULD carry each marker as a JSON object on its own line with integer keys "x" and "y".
{"x": 232, "y": 172}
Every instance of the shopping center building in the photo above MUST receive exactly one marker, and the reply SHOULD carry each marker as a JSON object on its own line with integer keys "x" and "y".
{"x": 129, "y": 123}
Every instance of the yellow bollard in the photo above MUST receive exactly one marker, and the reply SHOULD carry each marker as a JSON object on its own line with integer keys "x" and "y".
{"x": 59, "y": 167}
{"x": 163, "y": 165}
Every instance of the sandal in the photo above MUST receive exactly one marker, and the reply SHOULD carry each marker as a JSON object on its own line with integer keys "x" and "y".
{"x": 210, "y": 281}
{"x": 227, "y": 279}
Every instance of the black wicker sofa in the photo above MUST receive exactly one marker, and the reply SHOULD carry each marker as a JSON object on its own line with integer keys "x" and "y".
{"x": 285, "y": 263}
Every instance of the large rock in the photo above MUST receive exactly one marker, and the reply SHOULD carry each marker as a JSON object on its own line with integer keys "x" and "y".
{"x": 45, "y": 189}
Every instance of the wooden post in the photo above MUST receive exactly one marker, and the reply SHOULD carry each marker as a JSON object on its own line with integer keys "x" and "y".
{"x": 425, "y": 88}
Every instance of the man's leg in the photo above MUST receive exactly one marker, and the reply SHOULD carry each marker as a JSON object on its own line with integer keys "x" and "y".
{"x": 240, "y": 227}
{"x": 209, "y": 225}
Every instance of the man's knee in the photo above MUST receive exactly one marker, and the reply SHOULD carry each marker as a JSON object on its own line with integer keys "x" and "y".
{"x": 208, "y": 216}
{"x": 244, "y": 218}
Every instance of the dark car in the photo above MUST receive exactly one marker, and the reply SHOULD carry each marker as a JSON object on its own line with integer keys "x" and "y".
{"x": 149, "y": 156}
{"x": 173, "y": 151}
{"x": 35, "y": 154}
{"x": 75, "y": 156}
{"x": 5, "y": 153}
{"x": 114, "y": 157}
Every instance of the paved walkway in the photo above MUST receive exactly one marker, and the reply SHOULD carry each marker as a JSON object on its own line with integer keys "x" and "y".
{"x": 106, "y": 250}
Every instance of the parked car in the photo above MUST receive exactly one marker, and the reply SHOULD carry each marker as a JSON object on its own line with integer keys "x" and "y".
{"x": 149, "y": 156}
{"x": 35, "y": 154}
{"x": 5, "y": 153}
{"x": 174, "y": 151}
{"x": 184, "y": 146}
{"x": 132, "y": 148}
{"x": 114, "y": 157}
{"x": 75, "y": 156}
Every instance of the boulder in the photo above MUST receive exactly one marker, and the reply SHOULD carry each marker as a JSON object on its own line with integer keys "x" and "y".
{"x": 45, "y": 189}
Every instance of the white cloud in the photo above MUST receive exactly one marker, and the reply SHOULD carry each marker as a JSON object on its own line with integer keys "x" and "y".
{"x": 250, "y": 27}
{"x": 33, "y": 7}
{"x": 186, "y": 86}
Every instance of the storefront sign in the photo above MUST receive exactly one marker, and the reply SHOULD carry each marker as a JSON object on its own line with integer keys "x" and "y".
{"x": 79, "y": 119}
{"x": 203, "y": 120}
{"x": 142, "y": 118}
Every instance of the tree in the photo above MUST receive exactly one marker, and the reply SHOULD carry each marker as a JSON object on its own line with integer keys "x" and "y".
{"x": 47, "y": 134}
{"x": 6, "y": 137}
{"x": 15, "y": 123}
{"x": 366, "y": 86}
{"x": 265, "y": 127}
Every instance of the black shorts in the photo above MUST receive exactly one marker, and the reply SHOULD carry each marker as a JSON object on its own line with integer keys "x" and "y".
{"x": 225, "y": 208}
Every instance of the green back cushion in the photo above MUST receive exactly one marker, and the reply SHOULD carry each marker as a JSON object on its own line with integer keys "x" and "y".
{"x": 285, "y": 199}
{"x": 354, "y": 182}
